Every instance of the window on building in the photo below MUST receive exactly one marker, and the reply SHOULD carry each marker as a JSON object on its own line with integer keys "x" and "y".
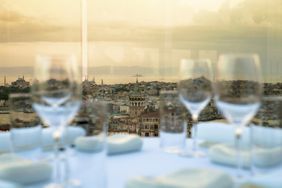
{"x": 145, "y": 46}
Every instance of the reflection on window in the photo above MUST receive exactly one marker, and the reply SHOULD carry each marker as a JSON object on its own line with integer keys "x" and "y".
{"x": 135, "y": 46}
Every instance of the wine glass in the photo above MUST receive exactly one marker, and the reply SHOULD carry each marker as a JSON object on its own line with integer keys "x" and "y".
{"x": 56, "y": 96}
{"x": 237, "y": 93}
{"x": 195, "y": 92}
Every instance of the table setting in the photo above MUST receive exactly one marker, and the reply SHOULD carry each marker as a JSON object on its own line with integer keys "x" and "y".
{"x": 62, "y": 150}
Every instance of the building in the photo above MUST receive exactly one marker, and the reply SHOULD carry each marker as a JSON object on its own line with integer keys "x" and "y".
{"x": 137, "y": 104}
{"x": 88, "y": 87}
{"x": 149, "y": 124}
{"x": 20, "y": 83}
{"x": 5, "y": 82}
{"x": 119, "y": 124}
{"x": 124, "y": 109}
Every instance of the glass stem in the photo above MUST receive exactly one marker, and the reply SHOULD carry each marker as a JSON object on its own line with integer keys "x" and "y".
{"x": 66, "y": 167}
{"x": 57, "y": 168}
{"x": 195, "y": 132}
{"x": 251, "y": 147}
{"x": 238, "y": 135}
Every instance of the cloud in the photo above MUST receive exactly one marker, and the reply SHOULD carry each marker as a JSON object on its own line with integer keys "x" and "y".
{"x": 246, "y": 13}
{"x": 16, "y": 27}
{"x": 6, "y": 16}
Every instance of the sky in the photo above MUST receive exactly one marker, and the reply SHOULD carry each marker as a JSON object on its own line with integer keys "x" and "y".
{"x": 141, "y": 11}
{"x": 28, "y": 20}
{"x": 128, "y": 35}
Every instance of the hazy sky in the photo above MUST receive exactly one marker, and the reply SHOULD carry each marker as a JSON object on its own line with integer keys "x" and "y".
{"x": 27, "y": 20}
{"x": 140, "y": 11}
{"x": 60, "y": 20}
{"x": 31, "y": 27}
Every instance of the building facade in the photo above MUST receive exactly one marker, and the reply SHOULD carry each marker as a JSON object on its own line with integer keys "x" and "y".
{"x": 149, "y": 124}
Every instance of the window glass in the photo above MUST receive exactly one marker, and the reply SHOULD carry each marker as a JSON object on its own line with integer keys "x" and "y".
{"x": 134, "y": 47}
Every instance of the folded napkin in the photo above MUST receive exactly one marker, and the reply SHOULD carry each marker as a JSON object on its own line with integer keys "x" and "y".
{"x": 68, "y": 137}
{"x": 18, "y": 170}
{"x": 89, "y": 144}
{"x": 116, "y": 144}
{"x": 269, "y": 180}
{"x": 215, "y": 132}
{"x": 267, "y": 136}
{"x": 226, "y": 154}
{"x": 5, "y": 184}
{"x": 207, "y": 144}
{"x": 189, "y": 178}
{"x": 267, "y": 157}
{"x": 212, "y": 133}
{"x": 247, "y": 185}
{"x": 27, "y": 138}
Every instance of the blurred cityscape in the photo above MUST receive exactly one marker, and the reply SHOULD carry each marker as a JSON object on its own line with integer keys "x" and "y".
{"x": 133, "y": 107}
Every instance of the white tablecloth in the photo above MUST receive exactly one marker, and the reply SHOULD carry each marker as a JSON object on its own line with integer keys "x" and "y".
{"x": 151, "y": 161}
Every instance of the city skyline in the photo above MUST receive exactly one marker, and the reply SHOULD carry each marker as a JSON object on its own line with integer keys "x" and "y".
{"x": 133, "y": 107}
{"x": 106, "y": 80}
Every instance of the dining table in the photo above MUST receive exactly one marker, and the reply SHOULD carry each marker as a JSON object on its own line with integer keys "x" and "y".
{"x": 151, "y": 161}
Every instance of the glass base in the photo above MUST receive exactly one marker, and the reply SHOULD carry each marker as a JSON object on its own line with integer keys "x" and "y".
{"x": 54, "y": 185}
{"x": 240, "y": 180}
{"x": 193, "y": 154}
{"x": 74, "y": 183}
{"x": 173, "y": 150}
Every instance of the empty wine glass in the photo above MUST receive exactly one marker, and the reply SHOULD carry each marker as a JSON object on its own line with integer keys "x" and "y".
{"x": 195, "y": 92}
{"x": 237, "y": 93}
{"x": 56, "y": 96}
{"x": 173, "y": 125}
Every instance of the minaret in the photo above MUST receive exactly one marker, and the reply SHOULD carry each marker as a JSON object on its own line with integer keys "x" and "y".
{"x": 137, "y": 76}
{"x": 5, "y": 81}
{"x": 102, "y": 82}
